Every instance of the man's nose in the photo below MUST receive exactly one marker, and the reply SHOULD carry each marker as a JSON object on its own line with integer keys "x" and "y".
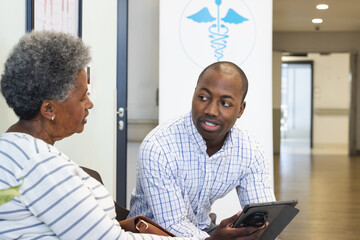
{"x": 212, "y": 109}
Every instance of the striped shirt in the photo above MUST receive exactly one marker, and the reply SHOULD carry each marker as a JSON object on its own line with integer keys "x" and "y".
{"x": 177, "y": 182}
{"x": 58, "y": 199}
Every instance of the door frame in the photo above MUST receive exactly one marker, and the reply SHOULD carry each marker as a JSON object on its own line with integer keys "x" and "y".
{"x": 121, "y": 86}
{"x": 353, "y": 115}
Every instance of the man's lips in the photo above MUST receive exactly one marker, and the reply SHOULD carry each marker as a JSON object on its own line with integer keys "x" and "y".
{"x": 209, "y": 126}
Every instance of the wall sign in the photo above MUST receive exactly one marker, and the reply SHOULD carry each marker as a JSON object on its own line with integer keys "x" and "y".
{"x": 55, "y": 15}
{"x": 217, "y": 30}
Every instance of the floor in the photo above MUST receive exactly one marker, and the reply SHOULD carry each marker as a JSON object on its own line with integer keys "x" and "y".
{"x": 326, "y": 182}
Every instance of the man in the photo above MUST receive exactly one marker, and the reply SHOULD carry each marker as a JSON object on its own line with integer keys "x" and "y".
{"x": 186, "y": 164}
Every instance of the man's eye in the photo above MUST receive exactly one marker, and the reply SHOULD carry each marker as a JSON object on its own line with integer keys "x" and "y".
{"x": 226, "y": 104}
{"x": 203, "y": 98}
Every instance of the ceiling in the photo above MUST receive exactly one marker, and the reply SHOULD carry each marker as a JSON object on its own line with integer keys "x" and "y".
{"x": 296, "y": 15}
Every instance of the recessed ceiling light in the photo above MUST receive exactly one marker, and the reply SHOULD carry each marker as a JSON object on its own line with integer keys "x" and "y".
{"x": 317, "y": 20}
{"x": 322, "y": 6}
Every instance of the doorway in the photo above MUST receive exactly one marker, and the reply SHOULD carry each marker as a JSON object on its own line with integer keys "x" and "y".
{"x": 296, "y": 102}
{"x": 327, "y": 103}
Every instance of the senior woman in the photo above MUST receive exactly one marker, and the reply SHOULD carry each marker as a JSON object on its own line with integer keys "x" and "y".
{"x": 44, "y": 82}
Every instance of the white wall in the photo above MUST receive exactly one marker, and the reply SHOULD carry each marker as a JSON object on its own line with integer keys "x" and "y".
{"x": 95, "y": 147}
{"x": 331, "y": 99}
{"x": 143, "y": 68}
{"x": 12, "y": 27}
{"x": 143, "y": 59}
{"x": 143, "y": 79}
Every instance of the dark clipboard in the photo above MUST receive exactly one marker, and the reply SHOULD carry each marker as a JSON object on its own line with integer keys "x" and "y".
{"x": 280, "y": 214}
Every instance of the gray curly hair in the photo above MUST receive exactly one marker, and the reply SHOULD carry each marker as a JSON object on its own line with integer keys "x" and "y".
{"x": 43, "y": 65}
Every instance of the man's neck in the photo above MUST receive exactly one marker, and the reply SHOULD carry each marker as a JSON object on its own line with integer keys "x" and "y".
{"x": 213, "y": 146}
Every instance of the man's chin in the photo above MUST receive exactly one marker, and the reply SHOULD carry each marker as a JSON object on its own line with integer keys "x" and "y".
{"x": 209, "y": 135}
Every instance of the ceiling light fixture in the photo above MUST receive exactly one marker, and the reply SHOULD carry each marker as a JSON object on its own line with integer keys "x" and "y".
{"x": 317, "y": 20}
{"x": 322, "y": 6}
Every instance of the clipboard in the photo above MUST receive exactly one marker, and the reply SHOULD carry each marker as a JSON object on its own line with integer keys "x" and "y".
{"x": 279, "y": 215}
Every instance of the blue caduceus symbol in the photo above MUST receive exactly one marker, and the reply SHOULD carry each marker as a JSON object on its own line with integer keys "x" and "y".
{"x": 218, "y": 31}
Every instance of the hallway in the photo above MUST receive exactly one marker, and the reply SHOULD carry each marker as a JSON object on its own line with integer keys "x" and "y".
{"x": 327, "y": 186}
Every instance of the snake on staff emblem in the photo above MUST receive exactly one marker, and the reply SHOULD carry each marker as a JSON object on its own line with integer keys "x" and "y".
{"x": 218, "y": 30}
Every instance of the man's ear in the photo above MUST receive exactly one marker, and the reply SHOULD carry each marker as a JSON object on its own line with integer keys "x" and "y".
{"x": 46, "y": 110}
{"x": 242, "y": 109}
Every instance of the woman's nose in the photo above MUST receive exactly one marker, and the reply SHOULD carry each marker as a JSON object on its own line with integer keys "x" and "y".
{"x": 90, "y": 104}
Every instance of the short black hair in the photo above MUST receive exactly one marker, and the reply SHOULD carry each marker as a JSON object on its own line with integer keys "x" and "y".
{"x": 226, "y": 66}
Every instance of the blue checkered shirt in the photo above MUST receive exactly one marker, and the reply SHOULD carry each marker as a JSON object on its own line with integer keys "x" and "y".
{"x": 177, "y": 182}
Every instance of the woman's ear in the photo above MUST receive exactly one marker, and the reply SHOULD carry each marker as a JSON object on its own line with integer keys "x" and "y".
{"x": 46, "y": 110}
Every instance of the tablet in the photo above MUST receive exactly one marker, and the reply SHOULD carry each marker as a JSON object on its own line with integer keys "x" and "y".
{"x": 279, "y": 214}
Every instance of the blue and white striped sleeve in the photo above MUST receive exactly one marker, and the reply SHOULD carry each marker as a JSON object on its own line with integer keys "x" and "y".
{"x": 57, "y": 196}
{"x": 58, "y": 200}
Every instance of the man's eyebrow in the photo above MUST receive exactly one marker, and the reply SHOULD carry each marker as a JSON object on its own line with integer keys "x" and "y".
{"x": 223, "y": 96}
{"x": 206, "y": 90}
{"x": 227, "y": 96}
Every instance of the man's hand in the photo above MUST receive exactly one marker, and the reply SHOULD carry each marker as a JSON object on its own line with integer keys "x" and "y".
{"x": 225, "y": 232}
